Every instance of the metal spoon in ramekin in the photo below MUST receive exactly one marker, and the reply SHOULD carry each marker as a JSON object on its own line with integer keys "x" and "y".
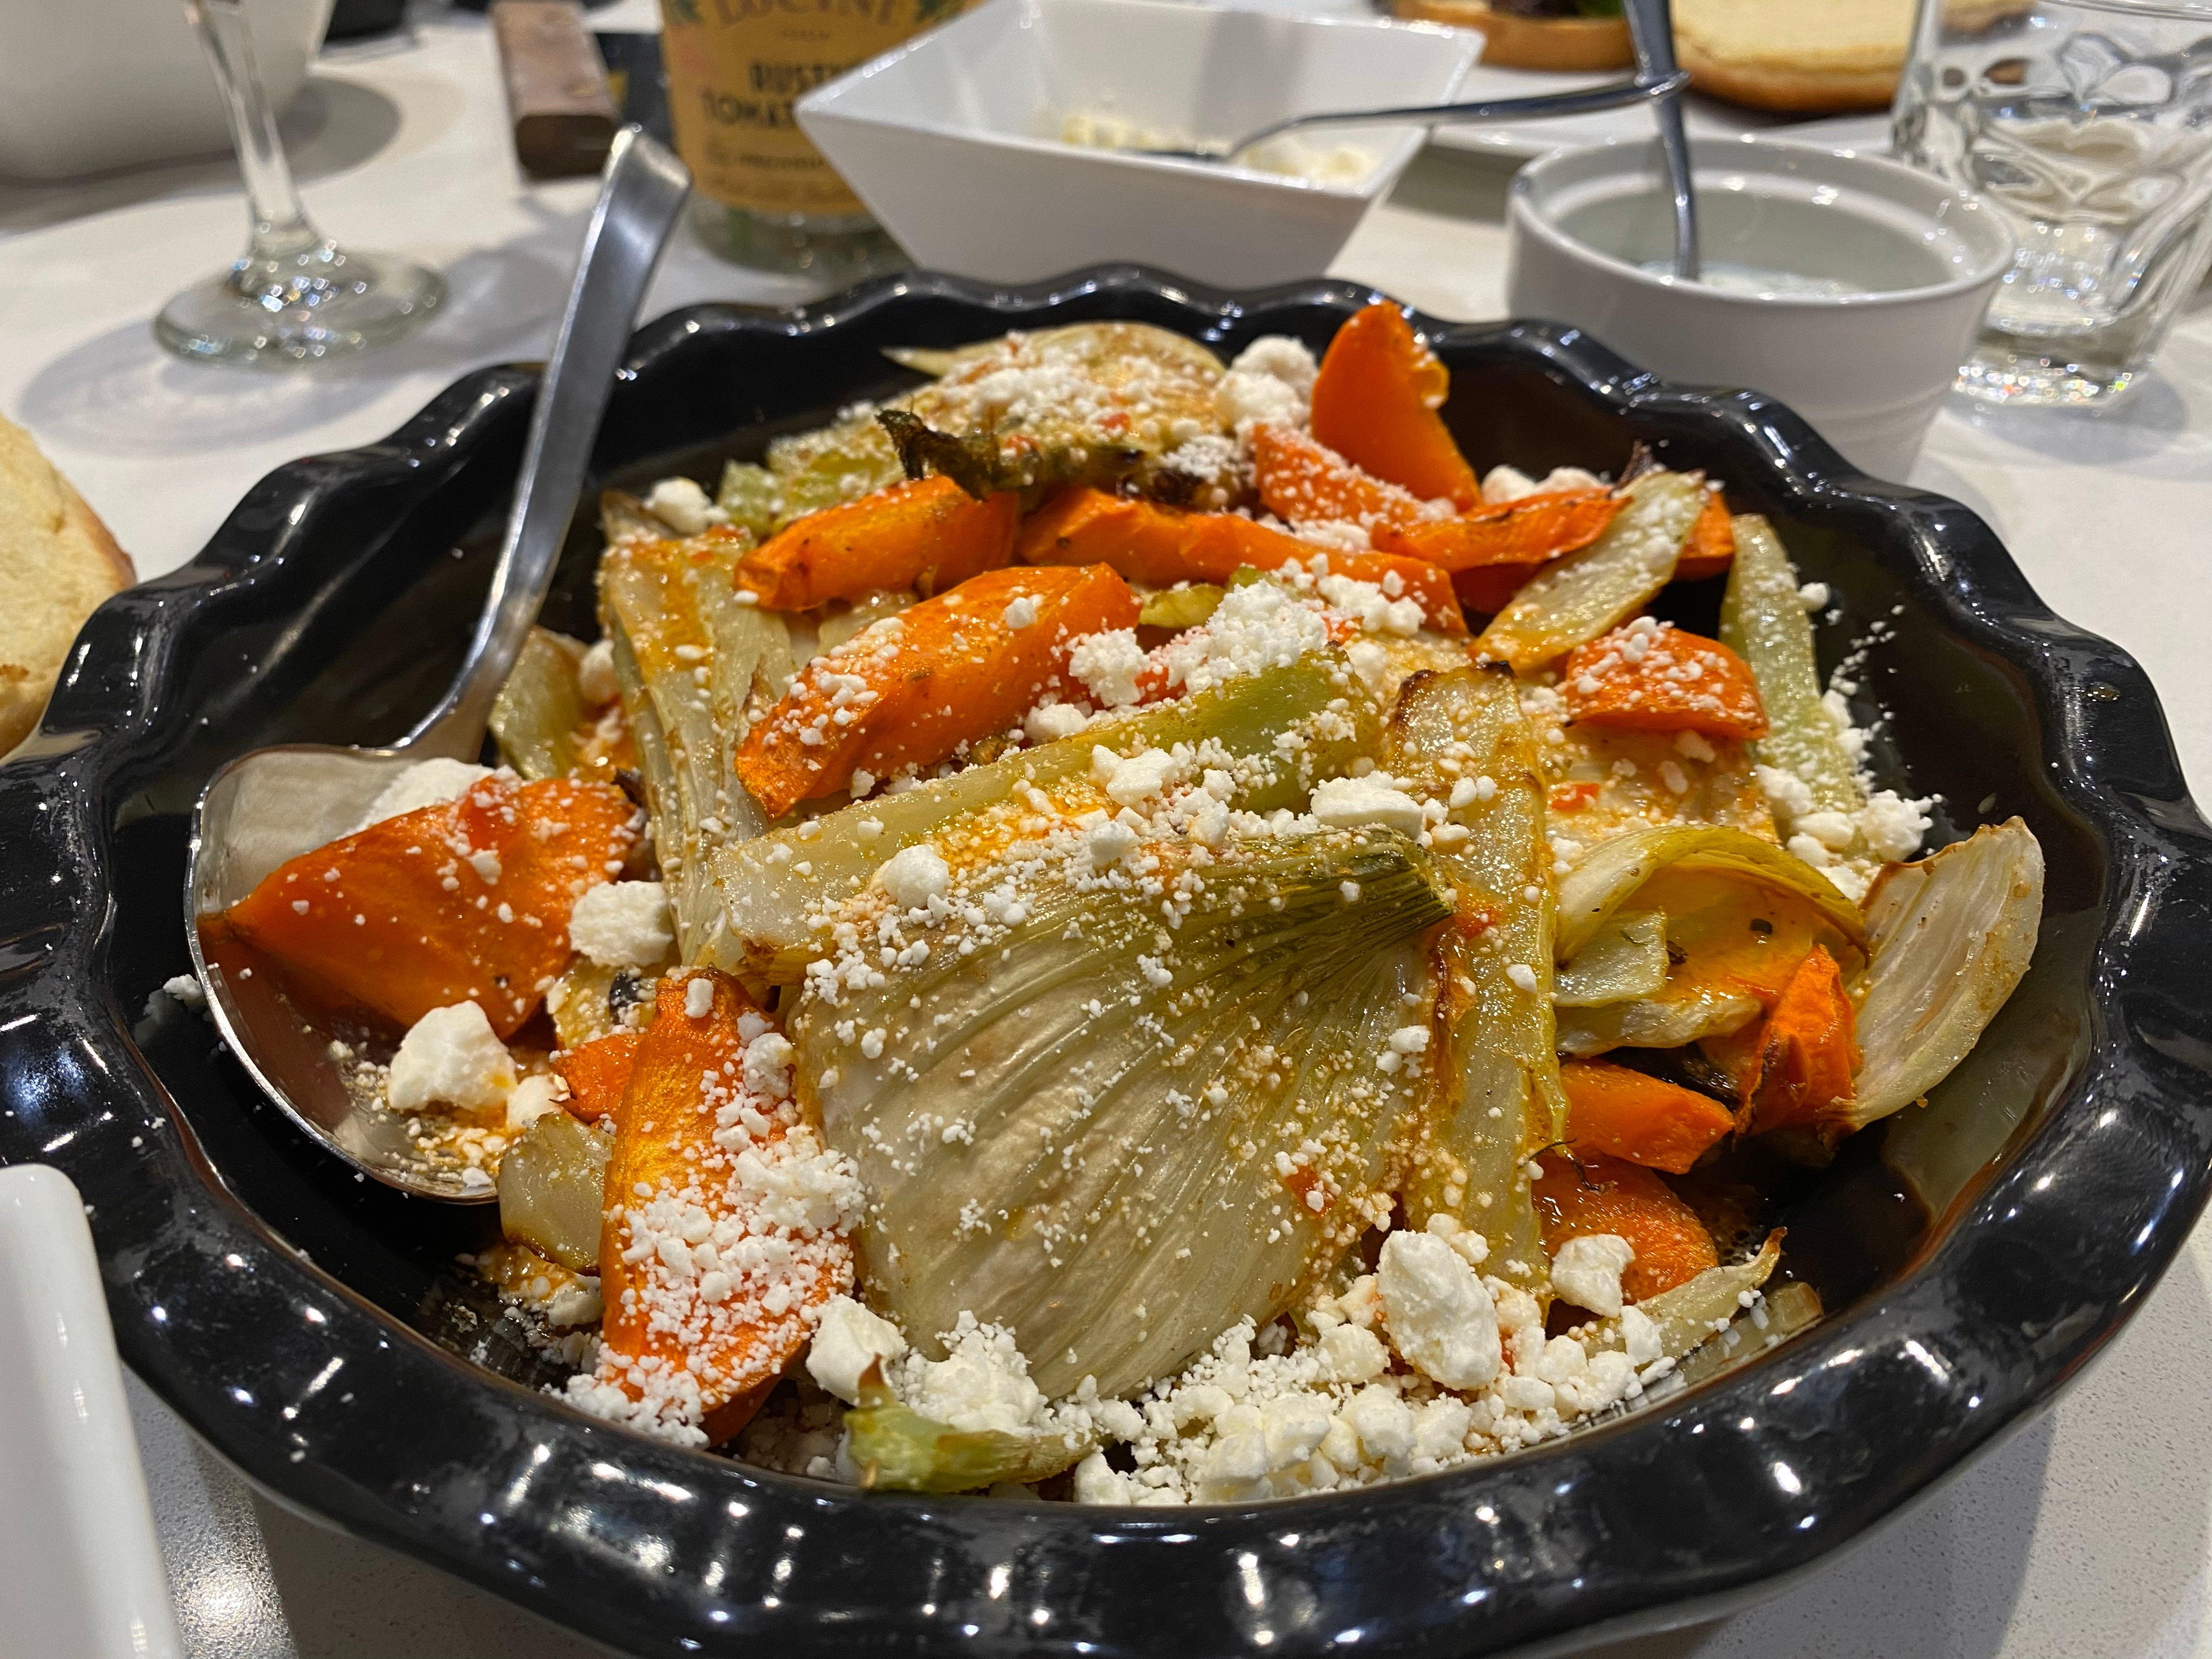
{"x": 274, "y": 803}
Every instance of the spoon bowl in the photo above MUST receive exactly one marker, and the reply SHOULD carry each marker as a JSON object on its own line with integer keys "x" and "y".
{"x": 274, "y": 803}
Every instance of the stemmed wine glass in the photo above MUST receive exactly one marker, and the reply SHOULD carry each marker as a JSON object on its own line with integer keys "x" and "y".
{"x": 294, "y": 296}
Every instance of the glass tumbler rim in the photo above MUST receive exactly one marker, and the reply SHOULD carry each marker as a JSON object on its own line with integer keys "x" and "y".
{"x": 2165, "y": 11}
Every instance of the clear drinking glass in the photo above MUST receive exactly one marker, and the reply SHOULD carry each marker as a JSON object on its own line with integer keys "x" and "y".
{"x": 2090, "y": 122}
{"x": 294, "y": 296}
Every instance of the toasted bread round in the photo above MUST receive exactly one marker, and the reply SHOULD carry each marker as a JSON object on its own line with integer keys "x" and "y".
{"x": 57, "y": 563}
{"x": 1511, "y": 42}
{"x": 1807, "y": 57}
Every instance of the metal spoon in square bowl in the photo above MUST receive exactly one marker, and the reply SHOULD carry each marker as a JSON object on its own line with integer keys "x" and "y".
{"x": 1588, "y": 101}
{"x": 273, "y": 804}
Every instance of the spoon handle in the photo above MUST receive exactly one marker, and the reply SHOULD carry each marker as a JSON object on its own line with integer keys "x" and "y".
{"x": 640, "y": 197}
{"x": 1586, "y": 100}
{"x": 1651, "y": 29}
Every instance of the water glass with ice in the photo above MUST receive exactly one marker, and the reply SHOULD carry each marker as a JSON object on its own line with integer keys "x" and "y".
{"x": 2089, "y": 123}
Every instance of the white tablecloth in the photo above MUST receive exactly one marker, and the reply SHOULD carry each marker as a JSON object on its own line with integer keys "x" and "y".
{"x": 2086, "y": 1536}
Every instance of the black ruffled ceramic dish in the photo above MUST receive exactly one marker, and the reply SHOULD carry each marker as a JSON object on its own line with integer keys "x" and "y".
{"x": 1972, "y": 1254}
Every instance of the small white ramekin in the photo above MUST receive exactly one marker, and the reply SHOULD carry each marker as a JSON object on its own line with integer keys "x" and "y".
{"x": 1868, "y": 369}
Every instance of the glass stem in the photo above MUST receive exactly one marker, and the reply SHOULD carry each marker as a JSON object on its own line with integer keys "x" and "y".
{"x": 281, "y": 230}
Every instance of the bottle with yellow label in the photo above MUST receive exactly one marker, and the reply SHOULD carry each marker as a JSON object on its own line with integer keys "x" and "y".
{"x": 762, "y": 194}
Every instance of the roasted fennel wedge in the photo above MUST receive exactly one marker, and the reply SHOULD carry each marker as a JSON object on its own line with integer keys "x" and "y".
{"x": 1952, "y": 936}
{"x": 693, "y": 664}
{"x": 1572, "y": 600}
{"x": 539, "y": 712}
{"x": 1738, "y": 914}
{"x": 1287, "y": 727}
{"x": 1114, "y": 1136}
{"x": 1762, "y": 620}
{"x": 1495, "y": 1097}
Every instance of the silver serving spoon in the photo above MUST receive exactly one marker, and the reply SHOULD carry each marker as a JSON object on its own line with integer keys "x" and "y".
{"x": 1651, "y": 29}
{"x": 1613, "y": 94}
{"x": 274, "y": 803}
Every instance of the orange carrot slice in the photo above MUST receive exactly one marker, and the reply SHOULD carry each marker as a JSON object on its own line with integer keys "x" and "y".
{"x": 695, "y": 1335}
{"x": 1645, "y": 1120}
{"x": 1590, "y": 1194}
{"x": 1305, "y": 481}
{"x": 1487, "y": 589}
{"x": 1802, "y": 1065}
{"x": 907, "y": 692}
{"x": 597, "y": 1072}
{"x": 1653, "y": 676}
{"x": 1160, "y": 546}
{"x": 929, "y": 533}
{"x": 1528, "y": 532}
{"x": 1375, "y": 403}
{"x": 1711, "y": 547}
{"x": 466, "y": 902}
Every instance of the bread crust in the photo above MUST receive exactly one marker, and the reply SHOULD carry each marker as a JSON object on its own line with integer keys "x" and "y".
{"x": 1511, "y": 41}
{"x": 1791, "y": 91}
{"x": 58, "y": 561}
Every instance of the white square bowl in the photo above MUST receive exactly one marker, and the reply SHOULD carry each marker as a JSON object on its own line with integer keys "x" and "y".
{"x": 952, "y": 140}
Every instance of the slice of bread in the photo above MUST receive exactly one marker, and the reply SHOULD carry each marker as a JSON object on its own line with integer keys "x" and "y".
{"x": 1806, "y": 57}
{"x": 57, "y": 563}
{"x": 1511, "y": 41}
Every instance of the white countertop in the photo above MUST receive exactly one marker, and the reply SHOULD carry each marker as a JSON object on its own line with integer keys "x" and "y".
{"x": 2086, "y": 1535}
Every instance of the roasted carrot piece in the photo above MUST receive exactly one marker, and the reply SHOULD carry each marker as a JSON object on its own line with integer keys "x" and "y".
{"x": 1160, "y": 546}
{"x": 597, "y": 1072}
{"x": 1487, "y": 589}
{"x": 1305, "y": 481}
{"x": 1375, "y": 403}
{"x": 1141, "y": 539}
{"x": 1527, "y": 532}
{"x": 1653, "y": 676}
{"x": 1805, "y": 1057}
{"x": 465, "y": 901}
{"x": 1589, "y": 1193}
{"x": 929, "y": 533}
{"x": 1711, "y": 547}
{"x": 910, "y": 690}
{"x": 696, "y": 1322}
{"x": 1646, "y": 1120}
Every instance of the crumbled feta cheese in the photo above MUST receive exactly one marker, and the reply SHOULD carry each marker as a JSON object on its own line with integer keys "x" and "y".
{"x": 185, "y": 989}
{"x": 426, "y": 783}
{"x": 1639, "y": 1336}
{"x": 915, "y": 875}
{"x": 1110, "y": 841}
{"x": 683, "y": 507}
{"x": 1834, "y": 830}
{"x": 981, "y": 1384}
{"x": 1020, "y": 612}
{"x": 1053, "y": 722}
{"x": 1241, "y": 398}
{"x": 1587, "y": 1271}
{"x": 1892, "y": 825}
{"x": 451, "y": 1057}
{"x": 698, "y": 997}
{"x": 1280, "y": 357}
{"x": 1352, "y": 1354}
{"x": 623, "y": 924}
{"x": 847, "y": 1340}
{"x": 1108, "y": 665}
{"x": 1438, "y": 1313}
{"x": 1814, "y": 596}
{"x": 533, "y": 1097}
{"x": 1502, "y": 484}
{"x": 1141, "y": 776}
{"x": 595, "y": 675}
{"x": 1357, "y": 803}
{"x": 1789, "y": 795}
{"x": 1522, "y": 976}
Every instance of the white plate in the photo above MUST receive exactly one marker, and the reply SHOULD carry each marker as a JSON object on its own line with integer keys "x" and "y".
{"x": 1708, "y": 118}
{"x": 79, "y": 1572}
